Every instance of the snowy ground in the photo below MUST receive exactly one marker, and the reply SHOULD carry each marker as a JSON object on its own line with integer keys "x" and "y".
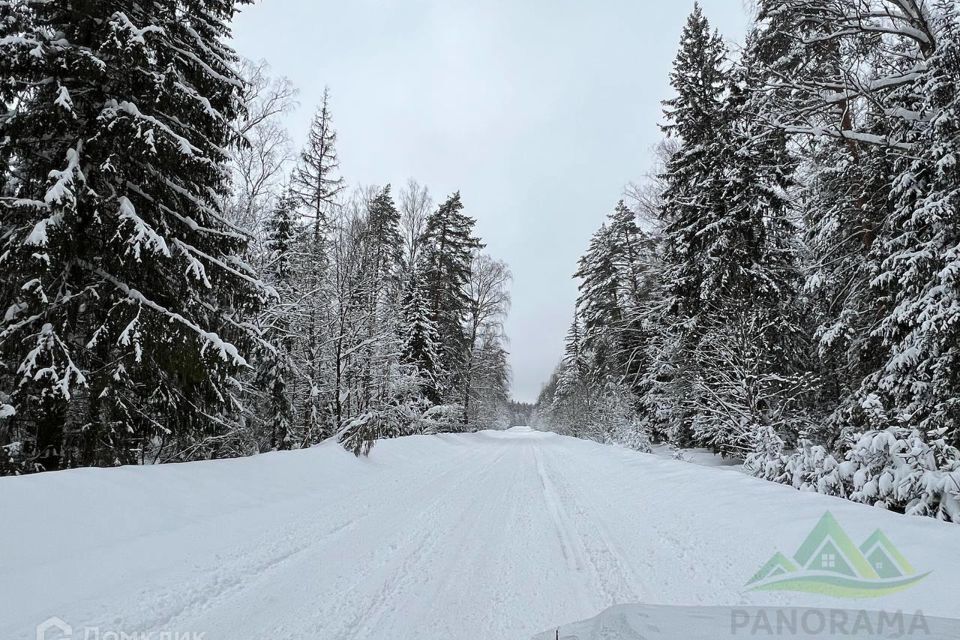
{"x": 483, "y": 536}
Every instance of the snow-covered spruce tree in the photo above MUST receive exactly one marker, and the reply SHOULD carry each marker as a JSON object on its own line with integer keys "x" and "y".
{"x": 420, "y": 337}
{"x": 573, "y": 345}
{"x": 563, "y": 403}
{"x": 277, "y": 369}
{"x": 693, "y": 201}
{"x": 753, "y": 343}
{"x": 853, "y": 97}
{"x": 617, "y": 279}
{"x": 880, "y": 204}
{"x": 845, "y": 194}
{"x": 691, "y": 207}
{"x": 125, "y": 302}
{"x": 384, "y": 243}
{"x": 380, "y": 393}
{"x": 919, "y": 254}
{"x": 316, "y": 182}
{"x": 845, "y": 175}
{"x": 637, "y": 264}
{"x": 729, "y": 250}
{"x": 599, "y": 305}
{"x": 381, "y": 256}
{"x": 754, "y": 246}
{"x": 449, "y": 248}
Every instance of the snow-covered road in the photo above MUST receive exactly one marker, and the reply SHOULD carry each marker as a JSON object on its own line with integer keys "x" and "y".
{"x": 482, "y": 536}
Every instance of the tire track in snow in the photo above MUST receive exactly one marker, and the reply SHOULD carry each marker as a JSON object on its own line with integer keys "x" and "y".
{"x": 610, "y": 571}
{"x": 242, "y": 570}
{"x": 572, "y": 551}
{"x": 665, "y": 548}
{"x": 420, "y": 543}
{"x": 194, "y": 599}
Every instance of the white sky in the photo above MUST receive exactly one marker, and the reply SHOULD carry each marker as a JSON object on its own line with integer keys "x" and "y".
{"x": 538, "y": 111}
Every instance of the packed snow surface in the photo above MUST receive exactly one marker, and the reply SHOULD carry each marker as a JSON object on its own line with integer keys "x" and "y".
{"x": 485, "y": 536}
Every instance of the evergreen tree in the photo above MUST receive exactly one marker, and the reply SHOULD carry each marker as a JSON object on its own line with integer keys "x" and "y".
{"x": 126, "y": 299}
{"x": 693, "y": 203}
{"x": 421, "y": 339}
{"x": 385, "y": 238}
{"x": 316, "y": 184}
{"x": 692, "y": 208}
{"x": 447, "y": 257}
{"x": 574, "y": 359}
{"x": 919, "y": 382}
{"x": 282, "y": 239}
{"x": 728, "y": 246}
{"x": 631, "y": 255}
{"x": 599, "y": 304}
{"x": 568, "y": 404}
{"x": 316, "y": 181}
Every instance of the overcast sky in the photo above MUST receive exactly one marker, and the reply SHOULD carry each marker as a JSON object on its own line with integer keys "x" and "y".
{"x": 538, "y": 111}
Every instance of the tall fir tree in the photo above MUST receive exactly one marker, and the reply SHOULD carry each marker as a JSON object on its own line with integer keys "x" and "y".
{"x": 316, "y": 182}
{"x": 126, "y": 299}
{"x": 729, "y": 248}
{"x": 919, "y": 261}
{"x": 385, "y": 238}
{"x": 447, "y": 257}
{"x": 422, "y": 348}
{"x": 379, "y": 285}
{"x": 691, "y": 208}
{"x": 277, "y": 375}
{"x": 692, "y": 203}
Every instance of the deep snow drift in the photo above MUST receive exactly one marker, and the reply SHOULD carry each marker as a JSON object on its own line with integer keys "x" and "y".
{"x": 485, "y": 536}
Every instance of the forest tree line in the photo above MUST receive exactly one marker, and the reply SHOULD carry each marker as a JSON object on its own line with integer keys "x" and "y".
{"x": 785, "y": 289}
{"x": 177, "y": 283}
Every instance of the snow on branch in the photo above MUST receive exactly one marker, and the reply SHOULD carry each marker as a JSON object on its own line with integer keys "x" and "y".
{"x": 120, "y": 19}
{"x": 143, "y": 232}
{"x": 845, "y": 134}
{"x": 61, "y": 190}
{"x": 228, "y": 352}
{"x": 190, "y": 250}
{"x": 210, "y": 211}
{"x": 112, "y": 107}
{"x": 47, "y": 341}
{"x": 191, "y": 224}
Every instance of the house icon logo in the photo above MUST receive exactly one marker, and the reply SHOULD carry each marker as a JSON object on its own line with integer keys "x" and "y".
{"x": 828, "y": 562}
{"x": 54, "y": 629}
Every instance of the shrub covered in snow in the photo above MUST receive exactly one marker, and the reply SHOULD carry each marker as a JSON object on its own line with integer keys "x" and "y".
{"x": 895, "y": 468}
{"x": 441, "y": 418}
